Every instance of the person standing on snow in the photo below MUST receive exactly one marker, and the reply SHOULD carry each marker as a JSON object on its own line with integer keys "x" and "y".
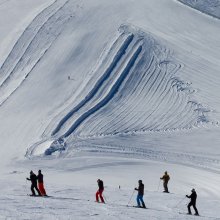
{"x": 33, "y": 179}
{"x": 100, "y": 191}
{"x": 192, "y": 203}
{"x": 40, "y": 178}
{"x": 140, "y": 194}
{"x": 165, "y": 179}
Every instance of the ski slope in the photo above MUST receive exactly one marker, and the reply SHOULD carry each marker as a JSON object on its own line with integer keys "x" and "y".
{"x": 117, "y": 90}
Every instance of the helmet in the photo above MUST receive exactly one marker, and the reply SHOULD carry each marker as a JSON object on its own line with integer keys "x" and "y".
{"x": 98, "y": 180}
{"x": 193, "y": 190}
{"x": 31, "y": 172}
{"x": 165, "y": 172}
{"x": 139, "y": 181}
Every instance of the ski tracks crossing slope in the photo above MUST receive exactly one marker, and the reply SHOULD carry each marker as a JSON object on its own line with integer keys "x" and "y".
{"x": 138, "y": 92}
{"x": 32, "y": 45}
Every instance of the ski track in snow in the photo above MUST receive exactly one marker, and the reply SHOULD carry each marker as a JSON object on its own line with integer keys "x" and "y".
{"x": 187, "y": 159}
{"x": 104, "y": 77}
{"x": 138, "y": 92}
{"x": 145, "y": 71}
{"x": 33, "y": 44}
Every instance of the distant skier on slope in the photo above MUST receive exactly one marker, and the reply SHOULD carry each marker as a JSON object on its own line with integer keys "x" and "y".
{"x": 192, "y": 203}
{"x": 41, "y": 183}
{"x": 165, "y": 179}
{"x": 100, "y": 191}
{"x": 140, "y": 194}
{"x": 33, "y": 179}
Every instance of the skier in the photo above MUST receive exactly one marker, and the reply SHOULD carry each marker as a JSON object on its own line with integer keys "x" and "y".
{"x": 165, "y": 179}
{"x": 33, "y": 179}
{"x": 192, "y": 203}
{"x": 41, "y": 183}
{"x": 140, "y": 194}
{"x": 100, "y": 191}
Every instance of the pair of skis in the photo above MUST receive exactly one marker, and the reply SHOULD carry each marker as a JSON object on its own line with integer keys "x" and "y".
{"x": 46, "y": 196}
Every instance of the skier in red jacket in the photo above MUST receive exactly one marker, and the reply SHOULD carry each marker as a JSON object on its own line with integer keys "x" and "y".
{"x": 41, "y": 183}
{"x": 100, "y": 191}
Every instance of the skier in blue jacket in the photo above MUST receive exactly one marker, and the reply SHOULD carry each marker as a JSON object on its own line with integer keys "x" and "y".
{"x": 140, "y": 194}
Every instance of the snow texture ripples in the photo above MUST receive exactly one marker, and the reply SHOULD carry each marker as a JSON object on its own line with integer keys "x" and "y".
{"x": 138, "y": 91}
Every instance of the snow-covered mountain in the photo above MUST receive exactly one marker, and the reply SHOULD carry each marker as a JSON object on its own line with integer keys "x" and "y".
{"x": 118, "y": 90}
{"x": 210, "y": 7}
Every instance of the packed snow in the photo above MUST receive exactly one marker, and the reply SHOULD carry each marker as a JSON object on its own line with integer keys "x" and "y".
{"x": 113, "y": 90}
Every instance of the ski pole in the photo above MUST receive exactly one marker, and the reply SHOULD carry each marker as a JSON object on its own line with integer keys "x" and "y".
{"x": 179, "y": 203}
{"x": 105, "y": 198}
{"x": 131, "y": 197}
{"x": 158, "y": 185}
{"x": 26, "y": 187}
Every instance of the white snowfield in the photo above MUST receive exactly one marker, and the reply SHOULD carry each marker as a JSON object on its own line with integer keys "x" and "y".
{"x": 117, "y": 90}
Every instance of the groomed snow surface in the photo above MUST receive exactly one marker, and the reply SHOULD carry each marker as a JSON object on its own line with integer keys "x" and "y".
{"x": 117, "y": 90}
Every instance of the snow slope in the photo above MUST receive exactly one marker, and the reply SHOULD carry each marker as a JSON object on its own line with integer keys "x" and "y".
{"x": 210, "y": 7}
{"x": 120, "y": 90}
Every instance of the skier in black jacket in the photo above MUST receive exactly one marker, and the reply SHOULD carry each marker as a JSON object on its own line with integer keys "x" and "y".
{"x": 33, "y": 179}
{"x": 192, "y": 203}
{"x": 140, "y": 195}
